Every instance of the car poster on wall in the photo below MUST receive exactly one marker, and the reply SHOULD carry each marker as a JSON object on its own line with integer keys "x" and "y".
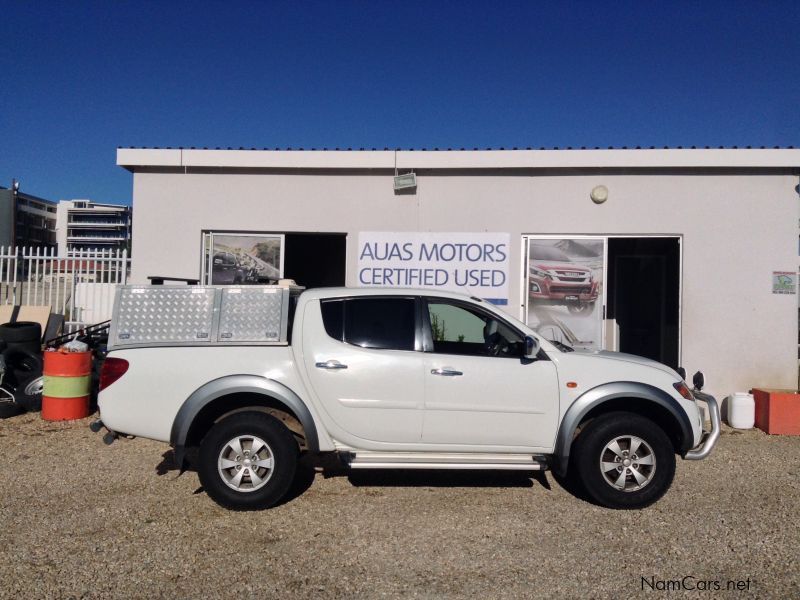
{"x": 564, "y": 287}
{"x": 242, "y": 258}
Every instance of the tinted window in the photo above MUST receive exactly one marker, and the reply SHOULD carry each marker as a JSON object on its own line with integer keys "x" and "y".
{"x": 333, "y": 317}
{"x": 459, "y": 330}
{"x": 386, "y": 323}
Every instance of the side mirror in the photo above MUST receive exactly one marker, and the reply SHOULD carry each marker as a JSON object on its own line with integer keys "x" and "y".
{"x": 532, "y": 346}
{"x": 698, "y": 380}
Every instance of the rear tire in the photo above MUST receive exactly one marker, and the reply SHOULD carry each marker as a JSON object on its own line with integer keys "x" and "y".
{"x": 21, "y": 361}
{"x": 21, "y": 332}
{"x": 624, "y": 461}
{"x": 22, "y": 336}
{"x": 29, "y": 391}
{"x": 248, "y": 461}
{"x": 8, "y": 407}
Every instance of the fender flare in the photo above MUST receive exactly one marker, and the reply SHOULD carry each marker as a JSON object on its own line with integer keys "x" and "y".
{"x": 233, "y": 384}
{"x": 610, "y": 391}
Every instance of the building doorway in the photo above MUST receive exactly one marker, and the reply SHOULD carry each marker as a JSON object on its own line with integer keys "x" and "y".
{"x": 643, "y": 296}
{"x": 315, "y": 259}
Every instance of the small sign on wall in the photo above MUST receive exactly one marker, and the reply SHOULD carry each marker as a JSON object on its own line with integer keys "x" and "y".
{"x": 784, "y": 282}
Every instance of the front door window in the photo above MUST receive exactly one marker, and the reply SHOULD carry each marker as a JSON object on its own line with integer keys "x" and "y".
{"x": 460, "y": 330}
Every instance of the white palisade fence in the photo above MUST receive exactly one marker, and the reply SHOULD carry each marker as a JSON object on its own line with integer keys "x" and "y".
{"x": 79, "y": 286}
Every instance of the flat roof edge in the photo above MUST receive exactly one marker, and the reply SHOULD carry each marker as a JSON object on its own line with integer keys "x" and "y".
{"x": 133, "y": 158}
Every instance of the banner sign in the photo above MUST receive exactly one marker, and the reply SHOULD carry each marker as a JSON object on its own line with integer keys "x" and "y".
{"x": 470, "y": 263}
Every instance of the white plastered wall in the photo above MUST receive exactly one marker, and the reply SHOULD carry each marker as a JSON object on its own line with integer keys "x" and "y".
{"x": 736, "y": 230}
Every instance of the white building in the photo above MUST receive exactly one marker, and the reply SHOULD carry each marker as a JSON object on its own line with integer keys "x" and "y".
{"x": 686, "y": 256}
{"x": 84, "y": 225}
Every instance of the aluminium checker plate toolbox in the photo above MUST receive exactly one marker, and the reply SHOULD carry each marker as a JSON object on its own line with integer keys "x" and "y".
{"x": 167, "y": 315}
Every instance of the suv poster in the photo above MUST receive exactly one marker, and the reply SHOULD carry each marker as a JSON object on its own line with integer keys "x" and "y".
{"x": 565, "y": 295}
{"x": 242, "y": 258}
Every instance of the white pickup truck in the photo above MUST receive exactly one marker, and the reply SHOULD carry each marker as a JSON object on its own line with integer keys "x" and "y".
{"x": 386, "y": 379}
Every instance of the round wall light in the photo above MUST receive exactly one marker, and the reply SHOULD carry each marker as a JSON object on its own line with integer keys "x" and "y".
{"x": 599, "y": 194}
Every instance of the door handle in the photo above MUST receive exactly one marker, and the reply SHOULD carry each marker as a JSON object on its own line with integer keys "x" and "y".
{"x": 331, "y": 364}
{"x": 446, "y": 372}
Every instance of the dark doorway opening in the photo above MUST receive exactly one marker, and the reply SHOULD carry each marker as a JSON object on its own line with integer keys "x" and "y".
{"x": 315, "y": 259}
{"x": 643, "y": 296}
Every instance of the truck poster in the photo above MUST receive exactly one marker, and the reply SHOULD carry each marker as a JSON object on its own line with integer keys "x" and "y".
{"x": 565, "y": 290}
{"x": 242, "y": 258}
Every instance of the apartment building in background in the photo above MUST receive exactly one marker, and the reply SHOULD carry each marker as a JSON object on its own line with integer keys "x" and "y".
{"x": 26, "y": 221}
{"x": 87, "y": 225}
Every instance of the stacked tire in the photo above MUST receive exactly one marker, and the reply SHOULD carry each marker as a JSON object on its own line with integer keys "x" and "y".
{"x": 24, "y": 336}
{"x": 20, "y": 346}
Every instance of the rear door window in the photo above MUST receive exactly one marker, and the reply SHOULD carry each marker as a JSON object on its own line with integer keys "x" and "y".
{"x": 333, "y": 318}
{"x": 380, "y": 323}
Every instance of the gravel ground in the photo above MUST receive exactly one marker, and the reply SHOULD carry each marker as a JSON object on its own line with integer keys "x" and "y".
{"x": 80, "y": 519}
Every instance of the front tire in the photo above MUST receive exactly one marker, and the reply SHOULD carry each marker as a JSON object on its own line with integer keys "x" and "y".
{"x": 248, "y": 461}
{"x": 624, "y": 460}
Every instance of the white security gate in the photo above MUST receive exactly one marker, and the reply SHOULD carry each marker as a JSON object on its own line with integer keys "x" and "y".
{"x": 79, "y": 286}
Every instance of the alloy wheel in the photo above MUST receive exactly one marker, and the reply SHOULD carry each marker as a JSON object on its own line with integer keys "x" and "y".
{"x": 628, "y": 463}
{"x": 245, "y": 463}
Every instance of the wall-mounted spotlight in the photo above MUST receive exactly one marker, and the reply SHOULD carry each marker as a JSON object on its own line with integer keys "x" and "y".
{"x": 599, "y": 194}
{"x": 406, "y": 181}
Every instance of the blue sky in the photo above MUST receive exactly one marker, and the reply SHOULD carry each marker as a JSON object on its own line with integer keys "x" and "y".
{"x": 80, "y": 79}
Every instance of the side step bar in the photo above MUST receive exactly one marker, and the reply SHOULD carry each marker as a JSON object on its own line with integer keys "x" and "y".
{"x": 444, "y": 460}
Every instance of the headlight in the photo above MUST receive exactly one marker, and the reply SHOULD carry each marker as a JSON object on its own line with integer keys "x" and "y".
{"x": 683, "y": 389}
{"x": 540, "y": 273}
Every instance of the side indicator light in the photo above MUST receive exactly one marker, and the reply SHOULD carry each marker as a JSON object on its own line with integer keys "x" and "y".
{"x": 572, "y": 384}
{"x": 683, "y": 389}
